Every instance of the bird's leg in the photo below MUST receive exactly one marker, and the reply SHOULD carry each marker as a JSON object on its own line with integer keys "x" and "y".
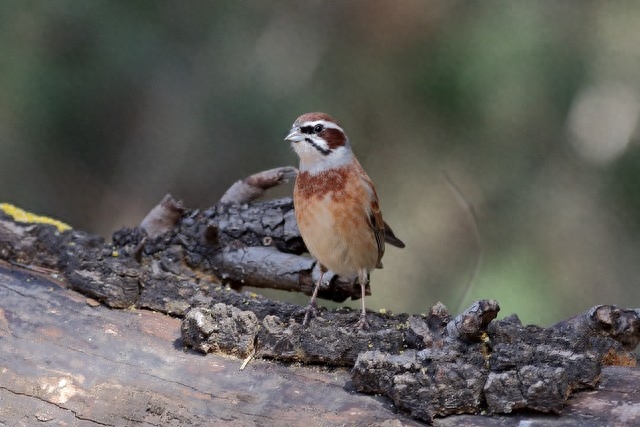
{"x": 312, "y": 302}
{"x": 363, "y": 279}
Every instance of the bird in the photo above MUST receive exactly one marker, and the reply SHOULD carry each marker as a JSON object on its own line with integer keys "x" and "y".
{"x": 336, "y": 205}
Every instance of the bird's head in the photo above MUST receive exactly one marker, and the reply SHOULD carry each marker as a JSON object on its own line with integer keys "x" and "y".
{"x": 319, "y": 142}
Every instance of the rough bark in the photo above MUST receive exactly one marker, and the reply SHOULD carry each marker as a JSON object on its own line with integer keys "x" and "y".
{"x": 185, "y": 263}
{"x": 66, "y": 360}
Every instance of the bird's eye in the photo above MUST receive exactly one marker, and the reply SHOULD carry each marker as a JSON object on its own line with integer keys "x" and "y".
{"x": 318, "y": 128}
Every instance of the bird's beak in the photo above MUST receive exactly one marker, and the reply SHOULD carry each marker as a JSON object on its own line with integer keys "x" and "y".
{"x": 294, "y": 135}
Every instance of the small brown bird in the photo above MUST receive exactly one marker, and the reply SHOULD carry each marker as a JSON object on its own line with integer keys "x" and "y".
{"x": 336, "y": 205}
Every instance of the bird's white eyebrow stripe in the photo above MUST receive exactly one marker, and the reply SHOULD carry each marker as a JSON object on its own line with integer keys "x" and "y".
{"x": 326, "y": 124}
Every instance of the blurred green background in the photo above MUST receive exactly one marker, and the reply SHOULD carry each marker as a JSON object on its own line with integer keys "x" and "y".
{"x": 530, "y": 107}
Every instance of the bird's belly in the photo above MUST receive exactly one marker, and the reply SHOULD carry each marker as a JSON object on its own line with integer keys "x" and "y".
{"x": 340, "y": 237}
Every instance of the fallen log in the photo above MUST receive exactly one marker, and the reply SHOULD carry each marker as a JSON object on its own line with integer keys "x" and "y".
{"x": 192, "y": 264}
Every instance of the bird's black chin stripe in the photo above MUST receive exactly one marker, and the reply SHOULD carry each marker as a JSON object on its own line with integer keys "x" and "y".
{"x": 323, "y": 151}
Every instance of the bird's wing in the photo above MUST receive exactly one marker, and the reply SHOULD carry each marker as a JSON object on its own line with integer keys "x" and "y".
{"x": 381, "y": 230}
{"x": 377, "y": 226}
{"x": 372, "y": 208}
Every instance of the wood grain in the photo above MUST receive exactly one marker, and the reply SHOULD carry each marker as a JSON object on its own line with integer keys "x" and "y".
{"x": 69, "y": 363}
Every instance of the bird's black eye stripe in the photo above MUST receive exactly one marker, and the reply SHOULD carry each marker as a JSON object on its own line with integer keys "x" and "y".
{"x": 322, "y": 150}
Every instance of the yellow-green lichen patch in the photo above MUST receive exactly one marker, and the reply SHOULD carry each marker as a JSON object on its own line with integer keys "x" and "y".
{"x": 20, "y": 215}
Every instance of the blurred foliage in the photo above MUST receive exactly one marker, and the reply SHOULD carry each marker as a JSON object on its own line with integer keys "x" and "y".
{"x": 531, "y": 107}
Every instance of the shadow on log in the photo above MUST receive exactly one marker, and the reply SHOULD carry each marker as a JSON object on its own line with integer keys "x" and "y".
{"x": 192, "y": 264}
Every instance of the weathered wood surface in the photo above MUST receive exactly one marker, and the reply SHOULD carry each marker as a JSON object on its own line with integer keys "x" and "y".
{"x": 66, "y": 361}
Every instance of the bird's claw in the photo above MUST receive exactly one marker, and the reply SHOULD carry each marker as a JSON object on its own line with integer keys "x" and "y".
{"x": 362, "y": 323}
{"x": 311, "y": 309}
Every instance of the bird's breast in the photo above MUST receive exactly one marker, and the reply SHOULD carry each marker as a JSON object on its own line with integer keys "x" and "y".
{"x": 332, "y": 210}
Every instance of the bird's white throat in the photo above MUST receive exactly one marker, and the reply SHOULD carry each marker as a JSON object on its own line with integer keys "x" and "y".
{"x": 314, "y": 162}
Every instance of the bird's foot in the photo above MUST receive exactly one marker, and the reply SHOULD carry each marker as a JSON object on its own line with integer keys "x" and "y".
{"x": 362, "y": 323}
{"x": 311, "y": 310}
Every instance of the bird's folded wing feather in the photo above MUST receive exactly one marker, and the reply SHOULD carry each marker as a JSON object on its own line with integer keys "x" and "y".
{"x": 377, "y": 225}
